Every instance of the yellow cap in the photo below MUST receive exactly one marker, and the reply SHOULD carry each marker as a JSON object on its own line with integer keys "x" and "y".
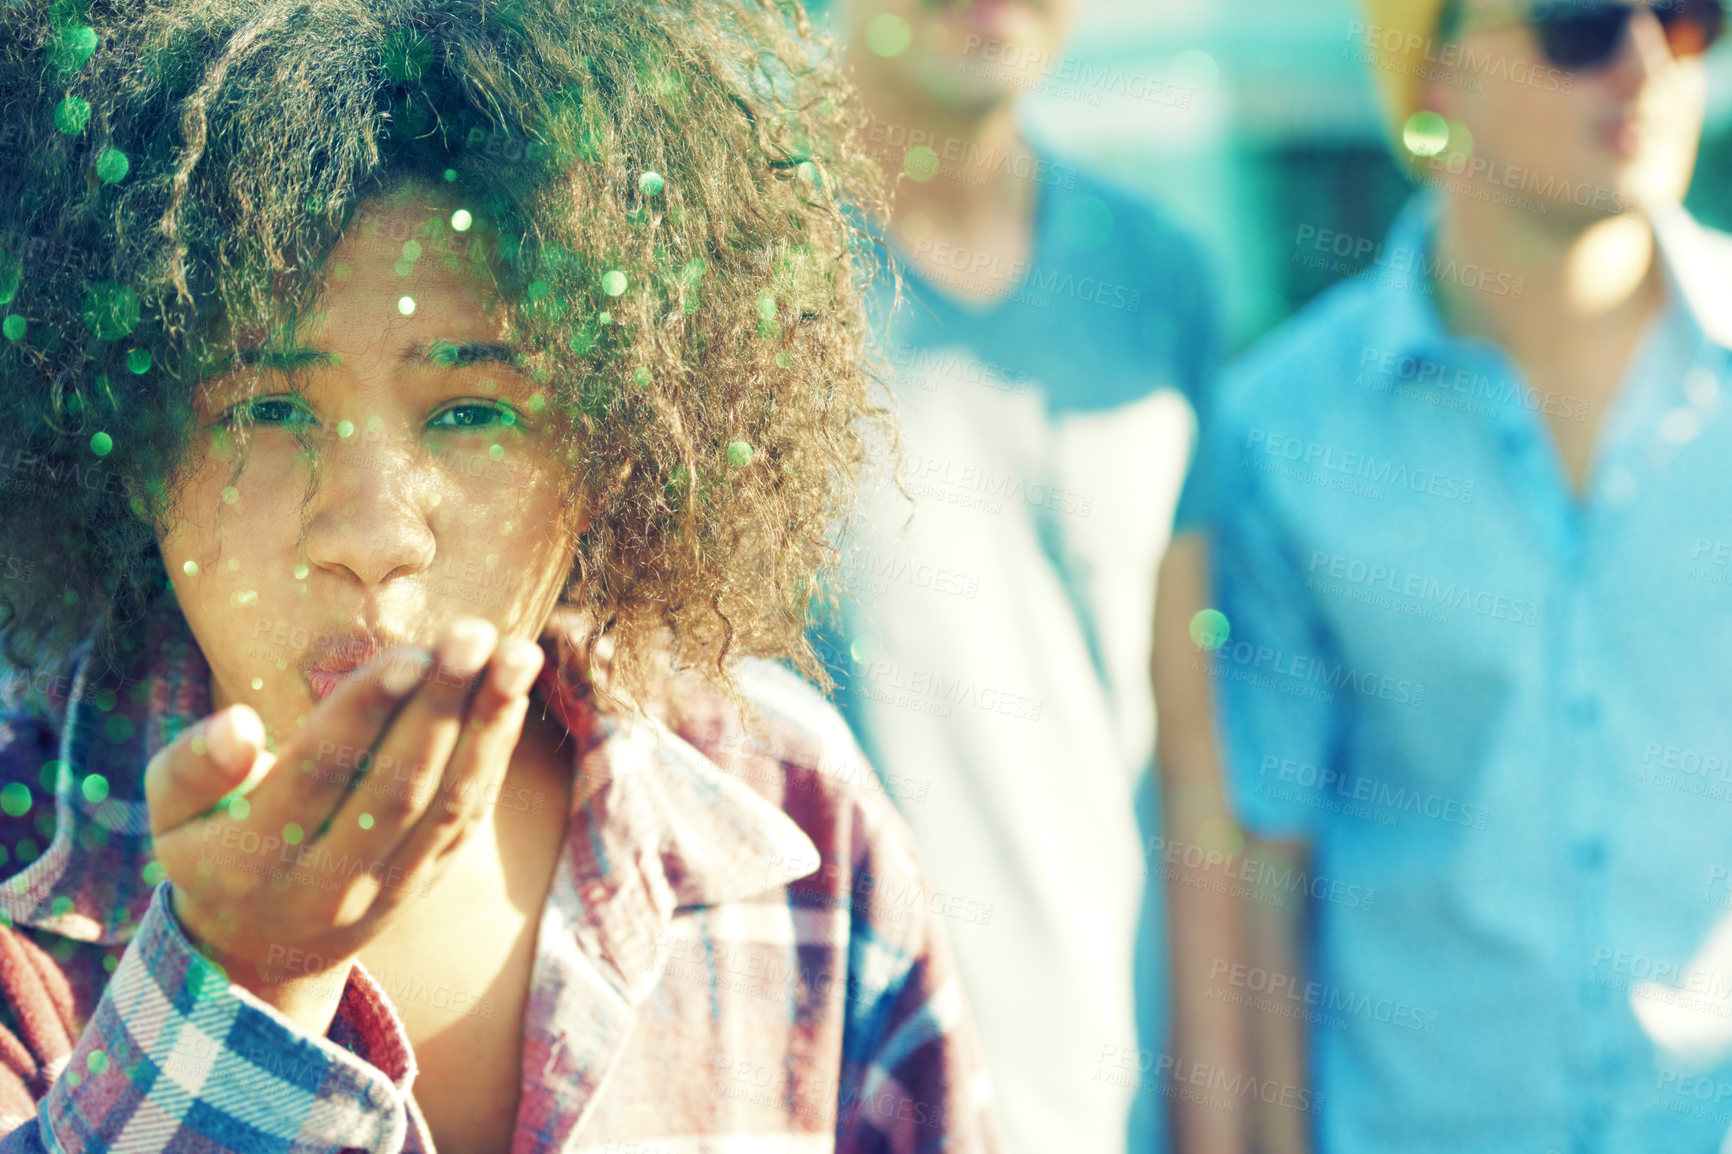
{"x": 1400, "y": 35}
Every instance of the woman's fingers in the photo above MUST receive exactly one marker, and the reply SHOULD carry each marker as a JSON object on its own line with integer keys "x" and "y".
{"x": 199, "y": 768}
{"x": 407, "y": 765}
{"x": 469, "y": 777}
{"x": 318, "y": 765}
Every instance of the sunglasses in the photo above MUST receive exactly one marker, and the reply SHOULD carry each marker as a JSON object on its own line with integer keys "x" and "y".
{"x": 1588, "y": 34}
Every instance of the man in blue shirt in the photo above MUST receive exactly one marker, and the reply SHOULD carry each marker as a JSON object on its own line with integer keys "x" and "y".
{"x": 993, "y": 644}
{"x": 1473, "y": 640}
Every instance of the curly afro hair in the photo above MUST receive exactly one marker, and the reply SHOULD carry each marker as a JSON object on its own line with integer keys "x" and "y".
{"x": 668, "y": 187}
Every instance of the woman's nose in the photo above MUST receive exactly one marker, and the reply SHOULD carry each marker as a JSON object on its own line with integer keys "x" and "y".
{"x": 368, "y": 515}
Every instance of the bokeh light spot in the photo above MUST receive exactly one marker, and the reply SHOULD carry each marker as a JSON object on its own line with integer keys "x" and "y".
{"x": 1425, "y": 133}
{"x": 461, "y": 220}
{"x": 613, "y": 282}
{"x": 921, "y": 163}
{"x": 110, "y": 310}
{"x": 71, "y": 115}
{"x": 15, "y": 799}
{"x": 739, "y": 454}
{"x": 101, "y": 444}
{"x": 112, "y": 166}
{"x": 406, "y": 306}
{"x": 651, "y": 184}
{"x": 889, "y": 34}
{"x": 1209, "y": 629}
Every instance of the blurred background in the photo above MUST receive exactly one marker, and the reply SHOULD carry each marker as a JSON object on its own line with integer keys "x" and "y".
{"x": 1283, "y": 129}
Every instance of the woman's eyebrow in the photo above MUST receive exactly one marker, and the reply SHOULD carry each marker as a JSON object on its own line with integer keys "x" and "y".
{"x": 456, "y": 354}
{"x": 288, "y": 359}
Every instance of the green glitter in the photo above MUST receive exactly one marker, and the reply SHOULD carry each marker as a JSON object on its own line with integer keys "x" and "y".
{"x": 239, "y": 808}
{"x": 101, "y": 444}
{"x": 112, "y": 166}
{"x": 739, "y": 454}
{"x": 15, "y": 799}
{"x": 345, "y": 429}
{"x": 1210, "y": 629}
{"x": 301, "y": 572}
{"x": 1425, "y": 133}
{"x": 642, "y": 377}
{"x": 97, "y": 1061}
{"x": 72, "y": 47}
{"x": 461, "y": 219}
{"x": 138, "y": 360}
{"x": 613, "y": 282}
{"x": 190, "y": 568}
{"x": 651, "y": 184}
{"x": 366, "y": 821}
{"x": 71, "y": 115}
{"x": 11, "y": 276}
{"x": 95, "y": 788}
{"x": 111, "y": 310}
{"x": 152, "y": 873}
{"x": 293, "y": 833}
{"x": 14, "y": 327}
{"x": 889, "y": 35}
{"x": 920, "y": 163}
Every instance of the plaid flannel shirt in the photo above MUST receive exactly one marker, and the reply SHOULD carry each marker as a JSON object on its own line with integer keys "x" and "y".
{"x": 737, "y": 953}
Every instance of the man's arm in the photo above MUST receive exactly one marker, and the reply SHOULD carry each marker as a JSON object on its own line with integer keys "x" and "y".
{"x": 1274, "y": 941}
{"x": 1205, "y": 914}
{"x": 1221, "y": 912}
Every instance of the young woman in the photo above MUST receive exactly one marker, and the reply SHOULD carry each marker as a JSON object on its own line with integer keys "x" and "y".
{"x": 423, "y": 418}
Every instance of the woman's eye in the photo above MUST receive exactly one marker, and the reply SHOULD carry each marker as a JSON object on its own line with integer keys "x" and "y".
{"x": 271, "y": 412}
{"x": 473, "y": 417}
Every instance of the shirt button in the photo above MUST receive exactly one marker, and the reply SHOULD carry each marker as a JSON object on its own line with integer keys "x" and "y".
{"x": 1584, "y": 711}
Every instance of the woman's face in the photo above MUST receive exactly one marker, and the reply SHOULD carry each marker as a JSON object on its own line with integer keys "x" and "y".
{"x": 440, "y": 483}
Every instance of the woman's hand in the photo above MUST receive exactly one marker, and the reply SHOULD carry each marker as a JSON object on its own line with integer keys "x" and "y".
{"x": 354, "y": 817}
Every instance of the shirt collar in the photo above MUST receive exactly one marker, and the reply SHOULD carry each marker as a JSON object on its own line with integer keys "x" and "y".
{"x": 1697, "y": 263}
{"x": 656, "y": 823}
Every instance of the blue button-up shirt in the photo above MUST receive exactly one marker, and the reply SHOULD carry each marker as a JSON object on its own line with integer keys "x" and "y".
{"x": 1502, "y": 713}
